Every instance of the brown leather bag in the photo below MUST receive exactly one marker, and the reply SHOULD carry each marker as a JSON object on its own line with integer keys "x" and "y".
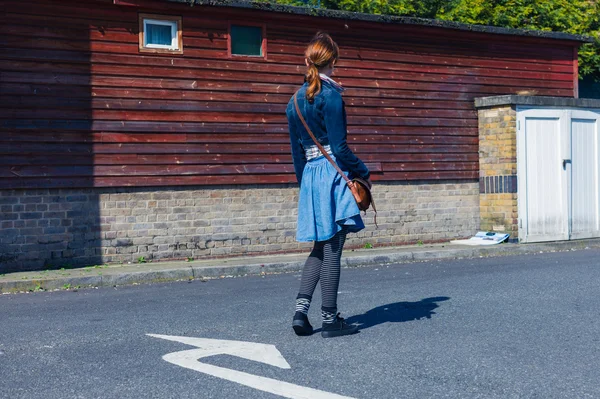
{"x": 361, "y": 189}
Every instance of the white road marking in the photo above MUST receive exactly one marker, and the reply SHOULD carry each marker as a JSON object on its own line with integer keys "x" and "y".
{"x": 263, "y": 353}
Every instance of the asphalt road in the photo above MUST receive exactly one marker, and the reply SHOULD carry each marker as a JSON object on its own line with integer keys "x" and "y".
{"x": 510, "y": 327}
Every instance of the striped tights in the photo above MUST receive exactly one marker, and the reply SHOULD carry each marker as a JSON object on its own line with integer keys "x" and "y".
{"x": 323, "y": 264}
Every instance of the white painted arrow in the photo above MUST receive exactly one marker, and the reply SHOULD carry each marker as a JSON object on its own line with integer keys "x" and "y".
{"x": 263, "y": 353}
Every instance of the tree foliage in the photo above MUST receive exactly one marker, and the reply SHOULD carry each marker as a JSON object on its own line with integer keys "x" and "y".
{"x": 572, "y": 16}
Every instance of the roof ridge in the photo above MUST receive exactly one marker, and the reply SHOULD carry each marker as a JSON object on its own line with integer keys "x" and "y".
{"x": 348, "y": 15}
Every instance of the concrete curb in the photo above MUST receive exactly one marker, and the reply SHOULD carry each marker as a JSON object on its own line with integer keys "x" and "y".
{"x": 234, "y": 267}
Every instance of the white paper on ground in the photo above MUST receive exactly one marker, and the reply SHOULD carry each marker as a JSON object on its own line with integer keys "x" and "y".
{"x": 483, "y": 238}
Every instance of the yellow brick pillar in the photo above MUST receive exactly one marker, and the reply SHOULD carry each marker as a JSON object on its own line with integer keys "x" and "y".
{"x": 498, "y": 170}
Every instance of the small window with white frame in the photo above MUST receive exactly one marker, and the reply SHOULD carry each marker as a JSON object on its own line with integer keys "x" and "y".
{"x": 160, "y": 34}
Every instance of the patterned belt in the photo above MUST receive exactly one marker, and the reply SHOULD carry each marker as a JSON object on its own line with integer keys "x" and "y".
{"x": 313, "y": 152}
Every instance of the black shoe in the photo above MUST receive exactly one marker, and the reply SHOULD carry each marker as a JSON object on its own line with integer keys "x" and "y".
{"x": 338, "y": 328}
{"x": 301, "y": 324}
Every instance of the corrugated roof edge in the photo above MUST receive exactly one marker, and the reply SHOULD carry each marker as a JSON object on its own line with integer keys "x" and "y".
{"x": 346, "y": 15}
{"x": 539, "y": 101}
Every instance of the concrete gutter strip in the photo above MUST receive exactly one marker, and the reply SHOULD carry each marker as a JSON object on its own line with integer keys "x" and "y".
{"x": 109, "y": 276}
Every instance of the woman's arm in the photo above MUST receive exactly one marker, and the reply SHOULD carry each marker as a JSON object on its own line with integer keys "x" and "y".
{"x": 336, "y": 131}
{"x": 297, "y": 151}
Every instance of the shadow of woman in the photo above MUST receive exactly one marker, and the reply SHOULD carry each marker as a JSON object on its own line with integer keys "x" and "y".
{"x": 397, "y": 312}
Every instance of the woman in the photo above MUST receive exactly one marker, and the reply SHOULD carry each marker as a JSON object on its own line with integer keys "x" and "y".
{"x": 327, "y": 210}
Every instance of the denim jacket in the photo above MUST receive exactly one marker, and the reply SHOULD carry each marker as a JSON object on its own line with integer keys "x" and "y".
{"x": 326, "y": 118}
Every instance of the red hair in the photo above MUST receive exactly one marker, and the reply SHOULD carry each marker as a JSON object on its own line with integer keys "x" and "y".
{"x": 321, "y": 52}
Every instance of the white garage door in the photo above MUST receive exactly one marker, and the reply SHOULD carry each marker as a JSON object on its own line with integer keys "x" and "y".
{"x": 558, "y": 171}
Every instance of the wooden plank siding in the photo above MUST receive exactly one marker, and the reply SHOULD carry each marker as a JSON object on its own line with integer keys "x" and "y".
{"x": 81, "y": 107}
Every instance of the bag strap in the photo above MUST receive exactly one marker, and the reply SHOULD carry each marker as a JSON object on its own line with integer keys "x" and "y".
{"x": 335, "y": 165}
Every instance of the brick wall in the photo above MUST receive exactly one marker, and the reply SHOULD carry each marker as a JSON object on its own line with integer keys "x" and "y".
{"x": 498, "y": 170}
{"x": 54, "y": 228}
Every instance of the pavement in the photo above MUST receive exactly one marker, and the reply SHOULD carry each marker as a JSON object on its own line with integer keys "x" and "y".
{"x": 503, "y": 327}
{"x": 159, "y": 272}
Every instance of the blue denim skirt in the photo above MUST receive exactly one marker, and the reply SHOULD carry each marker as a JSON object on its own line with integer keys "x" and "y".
{"x": 325, "y": 203}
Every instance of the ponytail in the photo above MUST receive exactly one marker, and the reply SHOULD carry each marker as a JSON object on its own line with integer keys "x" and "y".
{"x": 314, "y": 82}
{"x": 321, "y": 51}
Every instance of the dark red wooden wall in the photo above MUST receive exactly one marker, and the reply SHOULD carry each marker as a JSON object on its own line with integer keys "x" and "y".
{"x": 81, "y": 107}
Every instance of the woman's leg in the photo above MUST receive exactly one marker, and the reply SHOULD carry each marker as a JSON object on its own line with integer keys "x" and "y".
{"x": 333, "y": 325}
{"x": 310, "y": 277}
{"x": 330, "y": 275}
